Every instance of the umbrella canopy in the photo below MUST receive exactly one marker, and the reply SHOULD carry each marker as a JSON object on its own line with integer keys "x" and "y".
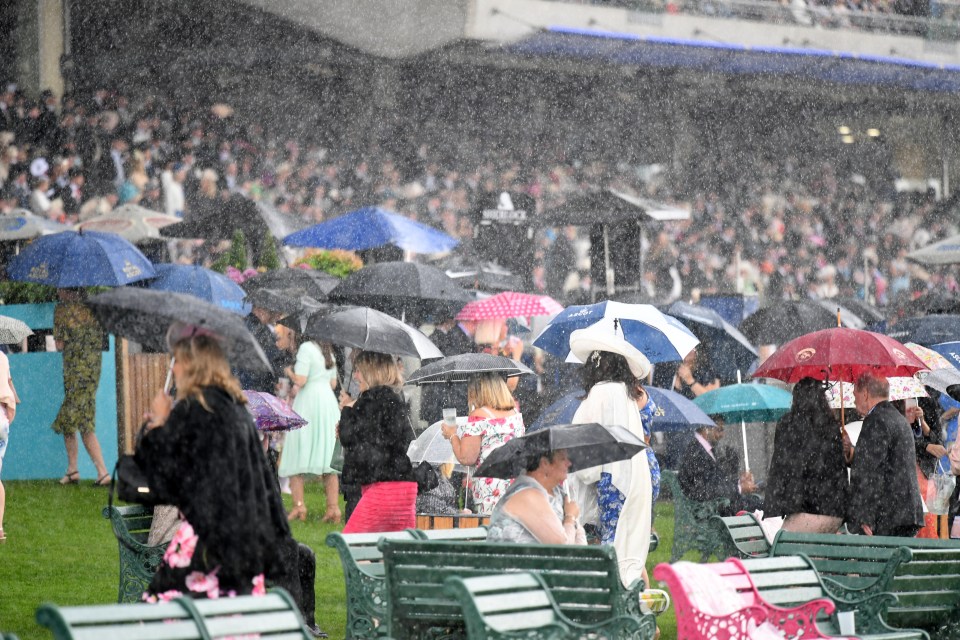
{"x": 901, "y": 388}
{"x": 746, "y": 402}
{"x": 80, "y": 259}
{"x": 869, "y": 314}
{"x": 728, "y": 349}
{"x": 943, "y": 373}
{"x": 587, "y": 445}
{"x": 144, "y": 316}
{"x": 930, "y": 303}
{"x": 787, "y": 320}
{"x": 609, "y": 206}
{"x": 946, "y": 251}
{"x": 510, "y": 304}
{"x": 131, "y": 222}
{"x": 928, "y": 331}
{"x": 23, "y": 225}
{"x": 298, "y": 310}
{"x": 459, "y": 368}
{"x": 294, "y": 280}
{"x": 370, "y": 330}
{"x": 369, "y": 228}
{"x": 474, "y": 273}
{"x": 13, "y": 330}
{"x": 270, "y": 413}
{"x": 840, "y": 354}
{"x": 402, "y": 288}
{"x": 660, "y": 337}
{"x": 674, "y": 412}
{"x": 430, "y": 446}
{"x": 847, "y": 317}
{"x": 202, "y": 283}
{"x": 950, "y": 351}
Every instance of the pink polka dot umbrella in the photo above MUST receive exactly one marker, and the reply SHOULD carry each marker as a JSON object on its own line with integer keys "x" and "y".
{"x": 510, "y": 304}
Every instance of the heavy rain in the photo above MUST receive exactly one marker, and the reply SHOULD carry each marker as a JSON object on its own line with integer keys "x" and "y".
{"x": 479, "y": 319}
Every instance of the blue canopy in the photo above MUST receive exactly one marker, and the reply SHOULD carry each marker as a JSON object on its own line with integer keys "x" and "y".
{"x": 369, "y": 228}
{"x": 202, "y": 283}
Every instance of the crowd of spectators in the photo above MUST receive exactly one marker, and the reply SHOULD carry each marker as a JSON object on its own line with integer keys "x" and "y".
{"x": 778, "y": 228}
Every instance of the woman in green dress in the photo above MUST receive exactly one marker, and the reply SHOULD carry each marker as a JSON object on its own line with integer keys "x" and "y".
{"x": 80, "y": 337}
{"x": 309, "y": 450}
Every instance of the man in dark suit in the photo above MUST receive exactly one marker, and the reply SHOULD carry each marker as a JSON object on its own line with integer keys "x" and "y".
{"x": 884, "y": 492}
{"x": 705, "y": 474}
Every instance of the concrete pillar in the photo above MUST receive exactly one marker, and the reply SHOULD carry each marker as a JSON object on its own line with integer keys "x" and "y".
{"x": 42, "y": 41}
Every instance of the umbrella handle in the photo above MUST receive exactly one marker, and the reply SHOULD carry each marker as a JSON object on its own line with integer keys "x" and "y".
{"x": 169, "y": 380}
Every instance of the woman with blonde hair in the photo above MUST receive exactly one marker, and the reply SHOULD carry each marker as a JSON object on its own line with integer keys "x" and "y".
{"x": 375, "y": 432}
{"x": 493, "y": 421}
{"x": 202, "y": 455}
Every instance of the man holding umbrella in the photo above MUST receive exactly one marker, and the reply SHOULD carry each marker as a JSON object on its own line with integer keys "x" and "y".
{"x": 704, "y": 475}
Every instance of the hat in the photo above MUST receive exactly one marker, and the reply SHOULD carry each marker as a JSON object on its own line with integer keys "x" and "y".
{"x": 583, "y": 342}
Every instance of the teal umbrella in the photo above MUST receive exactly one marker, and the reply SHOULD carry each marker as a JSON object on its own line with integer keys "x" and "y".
{"x": 746, "y": 402}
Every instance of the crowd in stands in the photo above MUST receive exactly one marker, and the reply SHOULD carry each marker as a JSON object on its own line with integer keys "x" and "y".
{"x": 778, "y": 228}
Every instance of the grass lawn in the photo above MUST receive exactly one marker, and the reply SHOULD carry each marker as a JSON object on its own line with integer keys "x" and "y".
{"x": 60, "y": 549}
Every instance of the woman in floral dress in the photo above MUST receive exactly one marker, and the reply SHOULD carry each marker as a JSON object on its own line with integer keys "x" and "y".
{"x": 493, "y": 421}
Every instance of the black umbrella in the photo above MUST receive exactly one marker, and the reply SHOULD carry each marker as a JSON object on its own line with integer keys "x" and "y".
{"x": 299, "y": 309}
{"x": 459, "y": 368}
{"x": 930, "y": 303}
{"x": 587, "y": 445}
{"x": 402, "y": 289}
{"x": 729, "y": 350}
{"x": 145, "y": 315}
{"x": 787, "y": 320}
{"x": 473, "y": 273}
{"x": 370, "y": 330}
{"x": 284, "y": 301}
{"x": 303, "y": 282}
{"x": 928, "y": 330}
{"x": 609, "y": 206}
{"x": 860, "y": 308}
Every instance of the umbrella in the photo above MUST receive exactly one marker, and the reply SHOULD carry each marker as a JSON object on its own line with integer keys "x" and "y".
{"x": 279, "y": 224}
{"x": 23, "y": 225}
{"x": 510, "y": 304}
{"x": 401, "y": 288}
{"x": 305, "y": 282}
{"x": 930, "y": 303}
{"x": 674, "y": 412}
{"x": 13, "y": 330}
{"x": 370, "y": 330}
{"x": 369, "y": 228}
{"x": 609, "y": 206}
{"x": 746, "y": 402}
{"x": 946, "y": 251}
{"x": 270, "y": 413}
{"x": 869, "y": 314}
{"x": 473, "y": 273}
{"x": 202, "y": 283}
{"x": 80, "y": 259}
{"x": 430, "y": 446}
{"x": 728, "y": 349}
{"x": 928, "y": 331}
{"x": 943, "y": 373}
{"x": 587, "y": 445}
{"x": 299, "y": 310}
{"x": 847, "y": 317}
{"x": 144, "y": 316}
{"x": 839, "y": 354}
{"x": 950, "y": 351}
{"x": 660, "y": 337}
{"x": 459, "y": 368}
{"x": 131, "y": 222}
{"x": 786, "y": 320}
{"x": 901, "y": 388}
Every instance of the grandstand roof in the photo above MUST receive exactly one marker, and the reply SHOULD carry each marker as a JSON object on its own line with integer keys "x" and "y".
{"x": 714, "y": 57}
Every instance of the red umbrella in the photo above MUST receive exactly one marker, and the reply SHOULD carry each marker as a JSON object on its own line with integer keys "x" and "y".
{"x": 840, "y": 354}
{"x": 510, "y": 304}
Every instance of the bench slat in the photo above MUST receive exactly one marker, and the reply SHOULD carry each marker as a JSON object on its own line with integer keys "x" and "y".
{"x": 517, "y": 621}
{"x": 516, "y": 602}
{"x": 152, "y": 631}
{"x": 256, "y": 623}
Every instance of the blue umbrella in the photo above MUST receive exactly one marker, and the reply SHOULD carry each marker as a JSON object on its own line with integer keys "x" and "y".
{"x": 746, "y": 402}
{"x": 202, "y": 283}
{"x": 660, "y": 337}
{"x": 369, "y": 228}
{"x": 674, "y": 412}
{"x": 728, "y": 350}
{"x": 80, "y": 259}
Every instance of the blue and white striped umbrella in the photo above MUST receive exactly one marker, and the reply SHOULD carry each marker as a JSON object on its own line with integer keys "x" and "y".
{"x": 660, "y": 337}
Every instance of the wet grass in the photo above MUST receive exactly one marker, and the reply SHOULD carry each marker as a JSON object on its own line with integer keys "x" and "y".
{"x": 60, "y": 549}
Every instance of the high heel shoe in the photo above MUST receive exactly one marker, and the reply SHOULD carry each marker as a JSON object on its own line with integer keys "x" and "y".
{"x": 103, "y": 481}
{"x": 332, "y": 517}
{"x": 299, "y": 512}
{"x": 70, "y": 477}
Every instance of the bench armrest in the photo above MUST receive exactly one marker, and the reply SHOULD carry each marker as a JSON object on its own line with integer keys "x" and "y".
{"x": 791, "y": 620}
{"x": 635, "y": 628}
{"x": 882, "y": 584}
{"x": 736, "y": 626}
{"x": 870, "y": 610}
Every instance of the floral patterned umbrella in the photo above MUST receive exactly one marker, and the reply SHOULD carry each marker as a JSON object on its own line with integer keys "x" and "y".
{"x": 901, "y": 388}
{"x": 942, "y": 374}
{"x": 270, "y": 413}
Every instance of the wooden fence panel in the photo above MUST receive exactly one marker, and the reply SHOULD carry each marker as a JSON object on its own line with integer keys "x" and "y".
{"x": 143, "y": 375}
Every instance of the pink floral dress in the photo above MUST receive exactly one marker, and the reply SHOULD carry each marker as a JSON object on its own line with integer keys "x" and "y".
{"x": 493, "y": 433}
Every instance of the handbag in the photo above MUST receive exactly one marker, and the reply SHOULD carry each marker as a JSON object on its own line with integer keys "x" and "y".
{"x": 336, "y": 459}
{"x": 426, "y": 477}
{"x": 130, "y": 483}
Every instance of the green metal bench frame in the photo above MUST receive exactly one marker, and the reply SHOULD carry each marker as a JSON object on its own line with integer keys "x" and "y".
{"x": 740, "y": 536}
{"x": 138, "y": 562}
{"x": 519, "y": 605}
{"x": 273, "y": 616}
{"x": 691, "y": 521}
{"x": 584, "y": 580}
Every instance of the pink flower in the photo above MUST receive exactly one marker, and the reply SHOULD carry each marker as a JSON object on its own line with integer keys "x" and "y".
{"x": 167, "y": 596}
{"x": 249, "y": 273}
{"x": 180, "y": 551}
{"x": 259, "y": 589}
{"x": 204, "y": 583}
{"x": 234, "y": 274}
{"x": 149, "y": 598}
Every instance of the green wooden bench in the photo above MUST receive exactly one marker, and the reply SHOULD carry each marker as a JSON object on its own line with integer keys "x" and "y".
{"x": 472, "y": 534}
{"x": 584, "y": 581}
{"x": 923, "y": 573}
{"x": 138, "y": 562}
{"x": 516, "y": 605}
{"x": 692, "y": 530}
{"x": 273, "y": 616}
{"x": 740, "y": 536}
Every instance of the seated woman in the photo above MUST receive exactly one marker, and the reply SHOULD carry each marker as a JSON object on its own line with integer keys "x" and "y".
{"x": 534, "y": 509}
{"x": 442, "y": 499}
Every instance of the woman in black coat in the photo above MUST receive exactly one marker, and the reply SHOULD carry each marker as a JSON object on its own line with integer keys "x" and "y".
{"x": 375, "y": 432}
{"x": 807, "y": 482}
{"x": 202, "y": 455}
